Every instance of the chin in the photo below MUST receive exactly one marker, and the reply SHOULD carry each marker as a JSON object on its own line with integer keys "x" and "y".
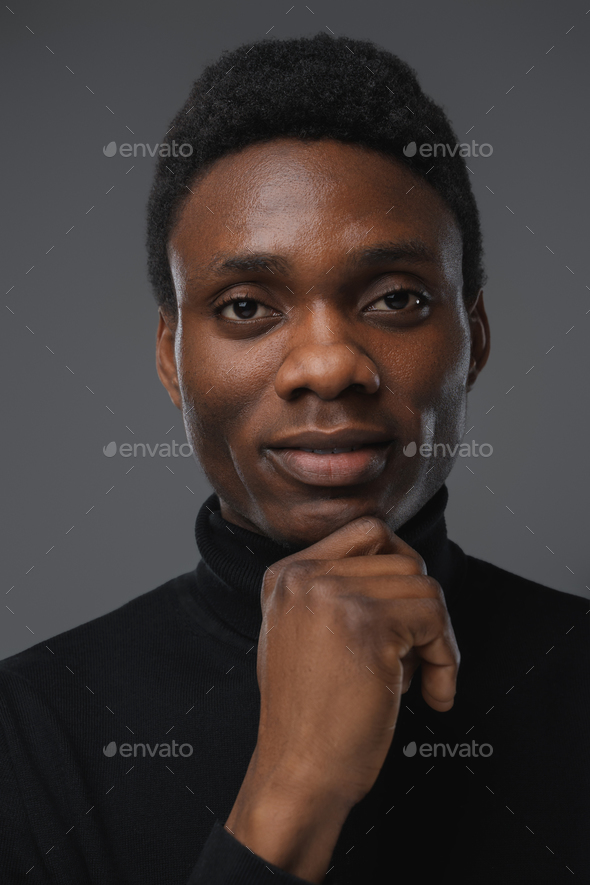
{"x": 304, "y": 524}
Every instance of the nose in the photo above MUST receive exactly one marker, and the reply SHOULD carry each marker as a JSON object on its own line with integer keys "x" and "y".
{"x": 326, "y": 369}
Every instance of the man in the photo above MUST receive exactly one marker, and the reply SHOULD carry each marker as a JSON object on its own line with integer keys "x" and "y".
{"x": 321, "y": 322}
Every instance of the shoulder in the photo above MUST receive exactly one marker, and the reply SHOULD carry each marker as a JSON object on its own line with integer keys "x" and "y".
{"x": 483, "y": 578}
{"x": 502, "y": 615}
{"x": 106, "y": 639}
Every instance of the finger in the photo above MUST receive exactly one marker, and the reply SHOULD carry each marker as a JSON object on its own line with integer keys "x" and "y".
{"x": 365, "y": 536}
{"x": 440, "y": 665}
{"x": 372, "y": 566}
{"x": 410, "y": 663}
{"x": 426, "y": 633}
{"x": 394, "y": 587}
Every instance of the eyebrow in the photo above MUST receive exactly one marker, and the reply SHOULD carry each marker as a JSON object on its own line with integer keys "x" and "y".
{"x": 390, "y": 252}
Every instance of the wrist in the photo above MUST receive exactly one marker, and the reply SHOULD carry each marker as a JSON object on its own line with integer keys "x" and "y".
{"x": 293, "y": 828}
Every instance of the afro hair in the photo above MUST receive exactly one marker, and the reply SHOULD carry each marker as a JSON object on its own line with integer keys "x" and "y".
{"x": 309, "y": 88}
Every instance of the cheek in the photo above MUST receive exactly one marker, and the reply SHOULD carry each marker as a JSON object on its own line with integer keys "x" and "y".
{"x": 439, "y": 379}
{"x": 433, "y": 363}
{"x": 220, "y": 390}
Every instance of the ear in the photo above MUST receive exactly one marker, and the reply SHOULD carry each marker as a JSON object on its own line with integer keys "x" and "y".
{"x": 480, "y": 339}
{"x": 166, "y": 357}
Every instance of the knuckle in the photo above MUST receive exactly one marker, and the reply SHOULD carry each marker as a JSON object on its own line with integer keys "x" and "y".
{"x": 421, "y": 565}
{"x": 377, "y": 532}
{"x": 412, "y": 565}
{"x": 283, "y": 579}
{"x": 357, "y": 614}
{"x": 300, "y": 577}
{"x": 391, "y": 653}
{"x": 431, "y": 588}
{"x": 296, "y": 572}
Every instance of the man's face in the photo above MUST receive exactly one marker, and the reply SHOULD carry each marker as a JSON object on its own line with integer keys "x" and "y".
{"x": 346, "y": 323}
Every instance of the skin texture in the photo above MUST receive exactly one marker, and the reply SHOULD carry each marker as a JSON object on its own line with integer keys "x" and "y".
{"x": 340, "y": 640}
{"x": 349, "y": 617}
{"x": 323, "y": 361}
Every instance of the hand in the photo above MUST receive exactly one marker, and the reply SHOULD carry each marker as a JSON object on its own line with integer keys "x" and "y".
{"x": 346, "y": 622}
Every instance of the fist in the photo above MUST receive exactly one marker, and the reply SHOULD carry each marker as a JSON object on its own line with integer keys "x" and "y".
{"x": 346, "y": 622}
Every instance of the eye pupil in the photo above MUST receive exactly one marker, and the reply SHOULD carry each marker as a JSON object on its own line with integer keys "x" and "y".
{"x": 245, "y": 310}
{"x": 397, "y": 299}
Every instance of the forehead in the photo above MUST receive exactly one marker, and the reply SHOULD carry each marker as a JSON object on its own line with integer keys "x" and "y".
{"x": 306, "y": 198}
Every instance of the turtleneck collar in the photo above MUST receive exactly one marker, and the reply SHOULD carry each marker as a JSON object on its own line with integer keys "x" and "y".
{"x": 234, "y": 561}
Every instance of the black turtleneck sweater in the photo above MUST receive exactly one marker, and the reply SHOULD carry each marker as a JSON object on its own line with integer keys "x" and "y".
{"x": 124, "y": 742}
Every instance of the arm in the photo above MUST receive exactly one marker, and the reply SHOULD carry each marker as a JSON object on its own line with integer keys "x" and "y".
{"x": 340, "y": 641}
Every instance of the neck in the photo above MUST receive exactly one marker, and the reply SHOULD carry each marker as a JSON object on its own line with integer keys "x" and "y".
{"x": 235, "y": 559}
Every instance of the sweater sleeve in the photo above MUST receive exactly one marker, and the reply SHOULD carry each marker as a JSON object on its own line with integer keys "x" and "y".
{"x": 226, "y": 861}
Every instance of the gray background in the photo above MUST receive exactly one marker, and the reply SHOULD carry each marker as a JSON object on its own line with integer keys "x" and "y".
{"x": 80, "y": 316}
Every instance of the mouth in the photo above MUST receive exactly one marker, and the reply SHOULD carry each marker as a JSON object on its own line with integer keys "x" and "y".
{"x": 338, "y": 466}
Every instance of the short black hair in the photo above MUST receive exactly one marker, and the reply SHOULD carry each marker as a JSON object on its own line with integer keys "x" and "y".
{"x": 309, "y": 88}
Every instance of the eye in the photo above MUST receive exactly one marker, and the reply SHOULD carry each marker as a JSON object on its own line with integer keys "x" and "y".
{"x": 401, "y": 299}
{"x": 244, "y": 309}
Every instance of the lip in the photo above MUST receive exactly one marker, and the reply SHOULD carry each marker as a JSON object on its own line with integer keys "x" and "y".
{"x": 342, "y": 438}
{"x": 343, "y": 469}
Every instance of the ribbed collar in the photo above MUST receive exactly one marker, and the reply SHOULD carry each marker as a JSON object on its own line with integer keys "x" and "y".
{"x": 234, "y": 561}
